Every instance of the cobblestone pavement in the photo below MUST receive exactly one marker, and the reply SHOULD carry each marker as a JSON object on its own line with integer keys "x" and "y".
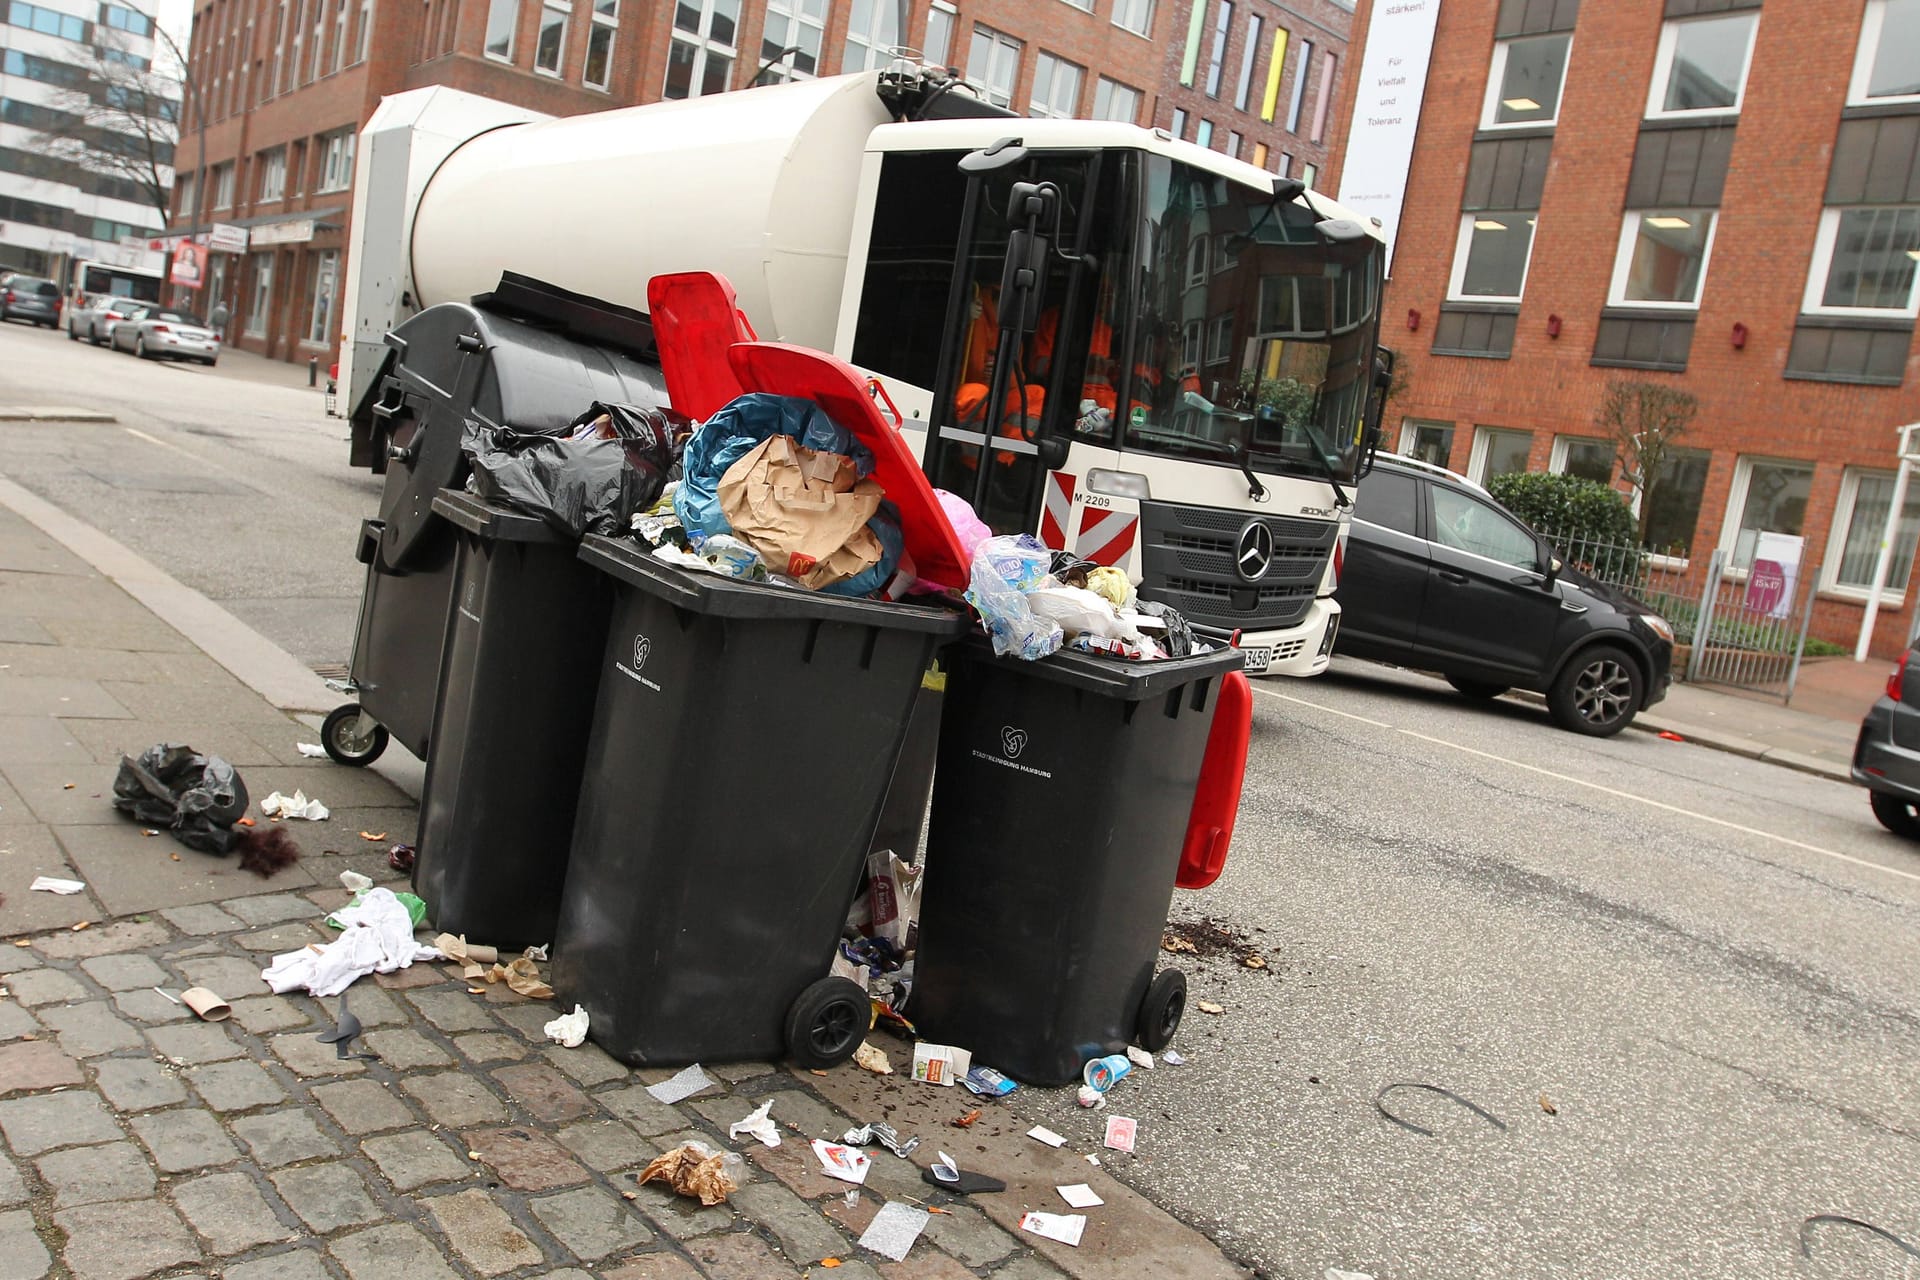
{"x": 141, "y": 1141}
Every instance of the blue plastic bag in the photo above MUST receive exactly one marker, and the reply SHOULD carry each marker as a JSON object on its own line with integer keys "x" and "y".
{"x": 886, "y": 527}
{"x": 734, "y": 431}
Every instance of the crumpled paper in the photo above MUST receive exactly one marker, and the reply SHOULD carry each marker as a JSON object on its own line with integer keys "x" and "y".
{"x": 570, "y": 1029}
{"x": 481, "y": 963}
{"x": 294, "y": 806}
{"x": 357, "y": 883}
{"x": 759, "y": 1125}
{"x": 695, "y": 1169}
{"x": 54, "y": 884}
{"x": 873, "y": 1058}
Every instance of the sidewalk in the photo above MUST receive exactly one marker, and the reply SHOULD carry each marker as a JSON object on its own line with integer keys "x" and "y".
{"x": 1814, "y": 733}
{"x": 140, "y": 1141}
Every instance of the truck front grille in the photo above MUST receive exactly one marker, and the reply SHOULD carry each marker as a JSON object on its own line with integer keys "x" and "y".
{"x": 1188, "y": 561}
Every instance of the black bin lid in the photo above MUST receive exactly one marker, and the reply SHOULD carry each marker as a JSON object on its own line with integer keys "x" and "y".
{"x": 1118, "y": 678}
{"x": 492, "y": 521}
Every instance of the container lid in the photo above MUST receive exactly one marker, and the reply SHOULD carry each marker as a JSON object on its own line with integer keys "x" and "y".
{"x": 715, "y": 596}
{"x": 695, "y": 319}
{"x": 833, "y": 385}
{"x": 1116, "y": 678}
{"x": 491, "y": 520}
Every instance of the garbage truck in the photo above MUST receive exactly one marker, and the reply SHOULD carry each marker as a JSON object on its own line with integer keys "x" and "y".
{"x": 1140, "y": 350}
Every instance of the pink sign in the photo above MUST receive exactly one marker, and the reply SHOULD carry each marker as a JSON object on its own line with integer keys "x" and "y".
{"x": 1767, "y": 588}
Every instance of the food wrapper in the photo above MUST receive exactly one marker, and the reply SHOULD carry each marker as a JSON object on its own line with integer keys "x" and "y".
{"x": 697, "y": 1170}
{"x": 803, "y": 511}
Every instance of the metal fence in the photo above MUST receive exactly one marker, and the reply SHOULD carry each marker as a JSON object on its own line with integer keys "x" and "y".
{"x": 1729, "y": 628}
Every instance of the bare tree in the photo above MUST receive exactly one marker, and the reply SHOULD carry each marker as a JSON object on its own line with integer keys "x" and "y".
{"x": 122, "y": 119}
{"x": 1645, "y": 421}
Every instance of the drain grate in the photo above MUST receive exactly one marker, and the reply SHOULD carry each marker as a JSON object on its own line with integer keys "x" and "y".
{"x": 330, "y": 670}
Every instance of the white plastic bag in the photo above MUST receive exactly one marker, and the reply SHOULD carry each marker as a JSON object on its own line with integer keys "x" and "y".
{"x": 1004, "y": 569}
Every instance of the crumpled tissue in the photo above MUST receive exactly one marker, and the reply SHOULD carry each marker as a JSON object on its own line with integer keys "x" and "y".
{"x": 570, "y": 1029}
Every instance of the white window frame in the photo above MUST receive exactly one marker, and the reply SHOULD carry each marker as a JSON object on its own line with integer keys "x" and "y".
{"x": 1203, "y": 133}
{"x": 1220, "y": 338}
{"x": 1410, "y": 431}
{"x": 1192, "y": 345}
{"x": 1824, "y": 242}
{"x": 1456, "y": 279}
{"x": 1563, "y": 445}
{"x": 1302, "y": 70}
{"x": 325, "y": 323}
{"x": 1623, "y": 259}
{"x": 1663, "y": 65}
{"x": 342, "y": 16}
{"x": 1050, "y": 65}
{"x": 1870, "y": 25}
{"x": 563, "y": 9}
{"x": 871, "y": 49}
{"x": 1736, "y": 506}
{"x": 794, "y": 22}
{"x": 1894, "y": 594}
{"x": 1483, "y": 446}
{"x": 336, "y": 162}
{"x": 704, "y": 45}
{"x": 1177, "y": 123}
{"x": 1142, "y": 10}
{"x": 1249, "y": 53}
{"x": 510, "y": 9}
{"x": 273, "y": 175}
{"x": 1085, "y": 6}
{"x": 223, "y": 183}
{"x": 602, "y": 15}
{"x": 364, "y": 35}
{"x": 998, "y": 43}
{"x": 1217, "y": 53}
{"x": 1107, "y": 89}
{"x": 1497, "y": 74}
{"x": 255, "y": 325}
{"x": 951, "y": 17}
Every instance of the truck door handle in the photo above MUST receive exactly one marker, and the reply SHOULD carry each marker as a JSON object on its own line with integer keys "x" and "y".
{"x": 1449, "y": 575}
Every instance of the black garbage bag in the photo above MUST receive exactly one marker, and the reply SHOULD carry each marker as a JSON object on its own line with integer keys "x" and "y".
{"x": 1179, "y": 637}
{"x": 194, "y": 798}
{"x": 612, "y": 463}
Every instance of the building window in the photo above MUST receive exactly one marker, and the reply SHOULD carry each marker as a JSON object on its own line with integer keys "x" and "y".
{"x": 365, "y": 33}
{"x": 1310, "y": 174}
{"x": 1662, "y": 258}
{"x": 336, "y": 161}
{"x": 1865, "y": 261}
{"x": 127, "y": 20}
{"x": 297, "y": 167}
{"x": 1243, "y": 87}
{"x": 1190, "y": 346}
{"x": 502, "y": 17}
{"x": 700, "y": 57}
{"x": 1498, "y": 452}
{"x": 1220, "y": 338}
{"x": 1204, "y": 134}
{"x": 940, "y": 20}
{"x": 1260, "y": 155}
{"x": 299, "y": 42}
{"x": 1490, "y": 256}
{"x": 1134, "y": 15}
{"x": 872, "y": 32}
{"x": 1427, "y": 441}
{"x": 1234, "y": 143}
{"x": 52, "y": 23}
{"x": 1523, "y": 88}
{"x": 1323, "y": 96}
{"x": 1276, "y": 64}
{"x": 273, "y": 174}
{"x": 320, "y": 317}
{"x": 1056, "y": 88}
{"x": 1302, "y": 70}
{"x": 1082, "y": 4}
{"x": 315, "y": 57}
{"x": 1887, "y": 67}
{"x": 1771, "y": 497}
{"x": 1179, "y": 126}
{"x": 603, "y": 23}
{"x": 1222, "y": 23}
{"x": 1583, "y": 456}
{"x": 1671, "y": 508}
{"x": 260, "y": 302}
{"x": 1701, "y": 66}
{"x": 1197, "y": 262}
{"x": 341, "y": 16}
{"x": 791, "y": 41}
{"x": 1115, "y": 102}
{"x": 993, "y": 64}
{"x": 1285, "y": 167}
{"x": 1853, "y": 547}
{"x": 223, "y": 185}
{"x": 552, "y": 44}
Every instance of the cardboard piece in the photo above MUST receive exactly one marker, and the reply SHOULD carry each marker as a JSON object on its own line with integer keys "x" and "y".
{"x": 803, "y": 511}
{"x": 1043, "y": 1134}
{"x": 941, "y": 1064}
{"x": 1080, "y": 1196}
{"x": 1064, "y": 1227}
{"x": 206, "y": 1005}
{"x": 1121, "y": 1131}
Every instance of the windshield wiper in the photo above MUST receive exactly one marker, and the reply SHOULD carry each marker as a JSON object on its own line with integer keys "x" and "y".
{"x": 1327, "y": 460}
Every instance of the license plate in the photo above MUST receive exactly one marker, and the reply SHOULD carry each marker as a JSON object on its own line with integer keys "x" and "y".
{"x": 1257, "y": 660}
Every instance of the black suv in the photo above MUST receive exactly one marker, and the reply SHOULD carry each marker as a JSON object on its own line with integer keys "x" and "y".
{"x": 1440, "y": 577}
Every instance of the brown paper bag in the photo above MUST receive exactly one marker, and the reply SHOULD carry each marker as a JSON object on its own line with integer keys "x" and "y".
{"x": 803, "y": 511}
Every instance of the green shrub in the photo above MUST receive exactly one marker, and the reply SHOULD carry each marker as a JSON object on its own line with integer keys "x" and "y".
{"x": 1566, "y": 508}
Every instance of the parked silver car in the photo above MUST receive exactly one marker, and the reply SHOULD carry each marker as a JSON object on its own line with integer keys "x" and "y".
{"x": 95, "y": 315}
{"x": 34, "y": 299}
{"x": 155, "y": 333}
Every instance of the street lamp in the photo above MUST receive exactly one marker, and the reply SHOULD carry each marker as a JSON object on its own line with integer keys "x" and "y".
{"x": 1909, "y": 454}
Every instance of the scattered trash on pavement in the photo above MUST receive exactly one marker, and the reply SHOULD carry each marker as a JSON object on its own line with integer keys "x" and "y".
{"x": 1546, "y": 1105}
{"x": 1842, "y": 1220}
{"x": 569, "y": 1029}
{"x": 198, "y": 799}
{"x": 1046, "y": 1135}
{"x": 893, "y": 1230}
{"x": 873, "y": 1058}
{"x": 376, "y": 937}
{"x": 354, "y": 882}
{"x": 164, "y": 996}
{"x": 1064, "y": 1227}
{"x": 1173, "y": 1058}
{"x": 1090, "y": 1097}
{"x": 312, "y": 750}
{"x": 1121, "y": 1131}
{"x": 987, "y": 1082}
{"x": 697, "y": 1170}
{"x": 206, "y": 1006}
{"x": 684, "y": 1085}
{"x": 966, "y": 1121}
{"x": 416, "y": 908}
{"x": 838, "y": 1160}
{"x": 884, "y": 1134}
{"x": 400, "y": 857}
{"x": 947, "y": 1174}
{"x": 345, "y": 1031}
{"x": 1671, "y": 736}
{"x": 296, "y": 805}
{"x": 1379, "y": 1103}
{"x": 54, "y": 884}
{"x": 758, "y": 1124}
{"x": 1208, "y": 1006}
{"x": 940, "y": 1064}
{"x": 1080, "y": 1196}
{"x": 1101, "y": 1074}
{"x": 1139, "y": 1057}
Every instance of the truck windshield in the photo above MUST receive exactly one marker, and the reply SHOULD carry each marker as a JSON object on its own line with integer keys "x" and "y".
{"x": 1253, "y": 334}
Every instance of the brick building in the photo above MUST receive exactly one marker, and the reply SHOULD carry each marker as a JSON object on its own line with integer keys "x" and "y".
{"x": 1717, "y": 196}
{"x": 288, "y": 83}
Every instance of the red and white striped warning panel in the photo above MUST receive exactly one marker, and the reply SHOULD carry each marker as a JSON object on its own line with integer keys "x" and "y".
{"x": 1057, "y": 510}
{"x": 1106, "y": 537}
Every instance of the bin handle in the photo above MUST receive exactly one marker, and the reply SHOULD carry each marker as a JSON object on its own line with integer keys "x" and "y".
{"x": 876, "y": 391}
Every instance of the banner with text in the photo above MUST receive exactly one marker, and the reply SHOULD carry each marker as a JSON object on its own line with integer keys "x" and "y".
{"x": 1386, "y": 110}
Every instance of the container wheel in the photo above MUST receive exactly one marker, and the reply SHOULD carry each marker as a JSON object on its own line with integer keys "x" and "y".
{"x": 827, "y": 1023}
{"x": 352, "y": 737}
{"x": 1160, "y": 1012}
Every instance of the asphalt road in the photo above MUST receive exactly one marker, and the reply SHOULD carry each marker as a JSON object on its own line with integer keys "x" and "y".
{"x": 1705, "y": 966}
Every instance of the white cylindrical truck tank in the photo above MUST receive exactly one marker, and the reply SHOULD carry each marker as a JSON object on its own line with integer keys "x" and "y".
{"x": 758, "y": 185}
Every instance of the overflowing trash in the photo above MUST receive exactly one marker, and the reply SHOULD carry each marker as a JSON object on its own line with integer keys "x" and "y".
{"x": 199, "y": 800}
{"x": 1033, "y": 602}
{"x": 376, "y": 937}
{"x": 613, "y": 462}
{"x": 696, "y": 1170}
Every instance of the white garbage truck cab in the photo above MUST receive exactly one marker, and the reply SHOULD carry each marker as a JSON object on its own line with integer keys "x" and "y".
{"x": 1137, "y": 349}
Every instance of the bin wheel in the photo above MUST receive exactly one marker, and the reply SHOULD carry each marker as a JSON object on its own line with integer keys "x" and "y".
{"x": 1160, "y": 1012}
{"x": 352, "y": 737}
{"x": 827, "y": 1023}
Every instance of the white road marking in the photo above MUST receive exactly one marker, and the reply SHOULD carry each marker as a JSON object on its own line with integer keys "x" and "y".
{"x": 1604, "y": 790}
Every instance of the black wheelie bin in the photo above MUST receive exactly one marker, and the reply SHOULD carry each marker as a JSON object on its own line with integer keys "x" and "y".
{"x": 517, "y": 684}
{"x": 451, "y": 365}
{"x": 1061, "y": 802}
{"x": 742, "y": 745}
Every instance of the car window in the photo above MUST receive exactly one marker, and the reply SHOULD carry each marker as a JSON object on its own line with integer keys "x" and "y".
{"x": 1386, "y": 498}
{"x": 47, "y": 289}
{"x": 1465, "y": 523}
